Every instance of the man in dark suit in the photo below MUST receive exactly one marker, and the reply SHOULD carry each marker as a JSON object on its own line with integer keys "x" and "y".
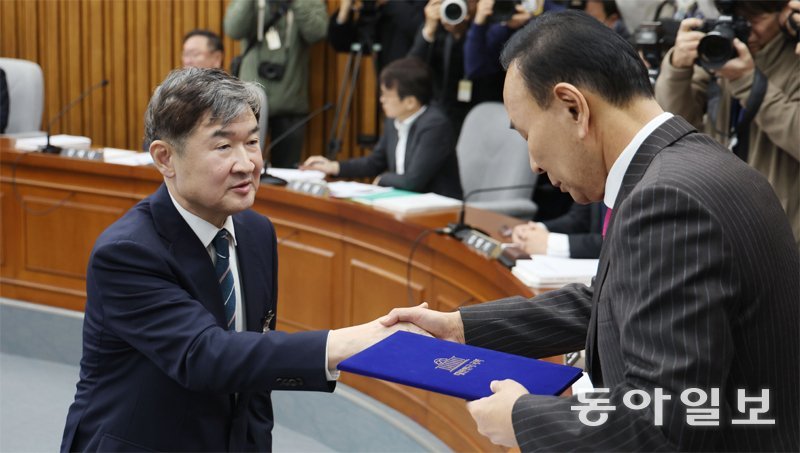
{"x": 417, "y": 149}
{"x": 696, "y": 291}
{"x": 178, "y": 351}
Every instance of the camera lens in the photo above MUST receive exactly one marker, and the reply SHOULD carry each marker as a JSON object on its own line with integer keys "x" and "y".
{"x": 716, "y": 47}
{"x": 453, "y": 11}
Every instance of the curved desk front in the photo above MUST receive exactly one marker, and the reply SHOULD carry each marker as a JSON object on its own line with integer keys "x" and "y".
{"x": 341, "y": 263}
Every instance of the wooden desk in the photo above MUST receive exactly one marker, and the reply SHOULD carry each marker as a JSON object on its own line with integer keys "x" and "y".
{"x": 341, "y": 263}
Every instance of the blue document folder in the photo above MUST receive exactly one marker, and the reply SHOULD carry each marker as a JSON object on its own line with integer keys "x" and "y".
{"x": 455, "y": 369}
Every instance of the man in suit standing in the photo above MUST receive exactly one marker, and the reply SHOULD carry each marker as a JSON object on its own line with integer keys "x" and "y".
{"x": 178, "y": 348}
{"x": 696, "y": 289}
{"x": 417, "y": 149}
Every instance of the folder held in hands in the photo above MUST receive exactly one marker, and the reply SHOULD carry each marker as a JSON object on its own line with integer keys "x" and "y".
{"x": 455, "y": 369}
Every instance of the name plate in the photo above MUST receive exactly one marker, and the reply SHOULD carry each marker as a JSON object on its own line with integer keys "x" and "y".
{"x": 86, "y": 154}
{"x": 316, "y": 188}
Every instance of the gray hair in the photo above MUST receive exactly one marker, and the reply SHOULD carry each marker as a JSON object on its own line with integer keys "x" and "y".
{"x": 187, "y": 95}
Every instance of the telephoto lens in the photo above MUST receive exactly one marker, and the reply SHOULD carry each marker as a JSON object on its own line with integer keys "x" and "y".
{"x": 454, "y": 11}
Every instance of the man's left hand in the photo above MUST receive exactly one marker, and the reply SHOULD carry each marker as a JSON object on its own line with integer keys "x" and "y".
{"x": 740, "y": 66}
{"x": 493, "y": 413}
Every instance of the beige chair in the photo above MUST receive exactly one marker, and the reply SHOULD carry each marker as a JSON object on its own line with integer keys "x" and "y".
{"x": 491, "y": 154}
{"x": 25, "y": 95}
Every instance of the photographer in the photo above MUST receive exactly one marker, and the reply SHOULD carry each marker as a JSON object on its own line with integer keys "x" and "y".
{"x": 391, "y": 24}
{"x": 717, "y": 100}
{"x": 279, "y": 61}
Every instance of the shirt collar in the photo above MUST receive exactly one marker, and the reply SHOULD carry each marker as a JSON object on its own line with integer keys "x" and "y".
{"x": 620, "y": 167}
{"x": 202, "y": 229}
{"x": 406, "y": 123}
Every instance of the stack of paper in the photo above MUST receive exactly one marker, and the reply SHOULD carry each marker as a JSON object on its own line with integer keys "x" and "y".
{"x": 415, "y": 204}
{"x": 62, "y": 140}
{"x": 292, "y": 174}
{"x": 126, "y": 157}
{"x": 551, "y": 272}
{"x": 352, "y": 189}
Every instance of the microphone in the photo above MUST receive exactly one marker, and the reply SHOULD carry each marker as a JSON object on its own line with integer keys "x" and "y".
{"x": 52, "y": 149}
{"x": 296, "y": 125}
{"x": 460, "y": 229}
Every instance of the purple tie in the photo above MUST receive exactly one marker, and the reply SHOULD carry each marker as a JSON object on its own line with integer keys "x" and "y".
{"x": 606, "y": 220}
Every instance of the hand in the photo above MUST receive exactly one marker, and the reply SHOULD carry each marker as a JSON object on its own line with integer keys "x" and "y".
{"x": 344, "y": 11}
{"x": 684, "y": 52}
{"x": 493, "y": 413}
{"x": 342, "y": 343}
{"x": 329, "y": 167}
{"x": 446, "y": 326}
{"x": 433, "y": 13}
{"x": 792, "y": 9}
{"x": 740, "y": 66}
{"x": 520, "y": 18}
{"x": 531, "y": 237}
{"x": 483, "y": 11}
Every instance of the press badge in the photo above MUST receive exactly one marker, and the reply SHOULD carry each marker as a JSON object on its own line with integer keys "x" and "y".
{"x": 465, "y": 90}
{"x": 273, "y": 39}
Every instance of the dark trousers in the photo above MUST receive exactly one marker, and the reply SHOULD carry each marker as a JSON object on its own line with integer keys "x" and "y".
{"x": 286, "y": 152}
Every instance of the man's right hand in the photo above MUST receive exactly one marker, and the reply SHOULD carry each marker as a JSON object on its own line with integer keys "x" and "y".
{"x": 445, "y": 326}
{"x": 433, "y": 13}
{"x": 320, "y": 163}
{"x": 685, "y": 51}
{"x": 485, "y": 8}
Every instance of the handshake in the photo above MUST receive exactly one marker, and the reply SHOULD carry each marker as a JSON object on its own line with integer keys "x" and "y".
{"x": 492, "y": 414}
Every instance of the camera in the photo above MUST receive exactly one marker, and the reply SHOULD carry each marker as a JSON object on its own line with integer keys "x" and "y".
{"x": 654, "y": 39}
{"x": 271, "y": 71}
{"x": 716, "y": 47}
{"x": 454, "y": 11}
{"x": 504, "y": 9}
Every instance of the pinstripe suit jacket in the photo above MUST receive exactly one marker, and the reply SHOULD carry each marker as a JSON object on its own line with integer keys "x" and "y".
{"x": 697, "y": 286}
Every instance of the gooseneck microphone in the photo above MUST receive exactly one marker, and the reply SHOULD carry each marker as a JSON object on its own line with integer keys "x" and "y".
{"x": 52, "y": 149}
{"x": 458, "y": 229}
{"x": 296, "y": 125}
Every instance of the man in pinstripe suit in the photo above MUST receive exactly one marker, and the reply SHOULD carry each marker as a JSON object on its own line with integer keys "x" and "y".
{"x": 697, "y": 285}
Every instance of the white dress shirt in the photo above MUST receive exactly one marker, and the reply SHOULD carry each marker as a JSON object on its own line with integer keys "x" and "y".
{"x": 403, "y": 127}
{"x": 620, "y": 167}
{"x": 206, "y": 233}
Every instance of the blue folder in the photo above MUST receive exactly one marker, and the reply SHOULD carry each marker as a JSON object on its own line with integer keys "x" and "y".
{"x": 455, "y": 369}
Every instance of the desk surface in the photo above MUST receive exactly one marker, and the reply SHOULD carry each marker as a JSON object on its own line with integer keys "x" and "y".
{"x": 340, "y": 262}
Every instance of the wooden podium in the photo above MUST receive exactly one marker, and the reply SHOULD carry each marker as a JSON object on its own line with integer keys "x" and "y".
{"x": 340, "y": 262}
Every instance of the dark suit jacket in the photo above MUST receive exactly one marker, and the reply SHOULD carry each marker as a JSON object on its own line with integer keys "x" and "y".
{"x": 697, "y": 287}
{"x": 159, "y": 371}
{"x": 431, "y": 162}
{"x": 583, "y": 224}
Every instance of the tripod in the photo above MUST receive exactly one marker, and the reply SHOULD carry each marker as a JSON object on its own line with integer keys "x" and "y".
{"x": 344, "y": 98}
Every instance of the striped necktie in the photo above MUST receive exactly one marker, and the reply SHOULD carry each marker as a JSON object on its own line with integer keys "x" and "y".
{"x": 225, "y": 277}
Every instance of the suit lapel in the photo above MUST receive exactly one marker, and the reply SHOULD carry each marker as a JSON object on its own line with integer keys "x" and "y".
{"x": 255, "y": 272}
{"x": 188, "y": 252}
{"x": 669, "y": 132}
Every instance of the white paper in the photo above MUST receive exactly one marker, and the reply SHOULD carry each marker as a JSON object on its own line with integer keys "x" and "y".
{"x": 412, "y": 204}
{"x": 126, "y": 157}
{"x": 292, "y": 174}
{"x": 62, "y": 140}
{"x": 352, "y": 189}
{"x": 543, "y": 271}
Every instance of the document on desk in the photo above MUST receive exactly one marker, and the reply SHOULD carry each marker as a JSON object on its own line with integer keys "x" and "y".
{"x": 417, "y": 204}
{"x": 62, "y": 140}
{"x": 353, "y": 189}
{"x": 293, "y": 174}
{"x": 455, "y": 369}
{"x": 543, "y": 271}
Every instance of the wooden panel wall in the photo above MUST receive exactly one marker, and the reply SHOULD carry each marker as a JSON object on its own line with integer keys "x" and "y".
{"x": 134, "y": 44}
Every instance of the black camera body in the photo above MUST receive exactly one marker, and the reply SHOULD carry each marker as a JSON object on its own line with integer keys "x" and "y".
{"x": 271, "y": 71}
{"x": 716, "y": 47}
{"x": 503, "y": 10}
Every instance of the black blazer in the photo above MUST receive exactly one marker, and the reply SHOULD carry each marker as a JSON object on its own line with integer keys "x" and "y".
{"x": 584, "y": 226}
{"x": 697, "y": 287}
{"x": 431, "y": 164}
{"x": 159, "y": 371}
